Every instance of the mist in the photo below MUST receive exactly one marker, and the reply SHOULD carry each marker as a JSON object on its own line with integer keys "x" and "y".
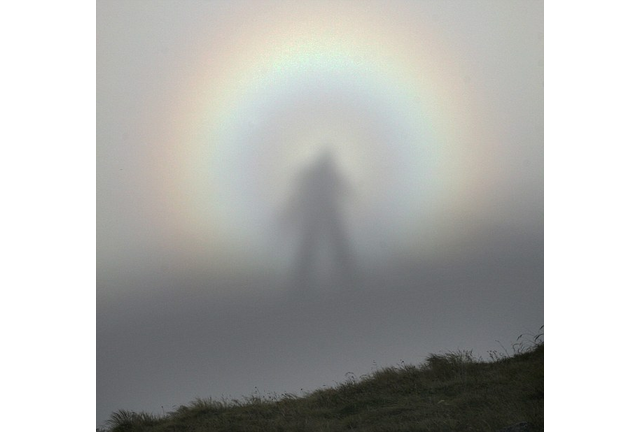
{"x": 289, "y": 193}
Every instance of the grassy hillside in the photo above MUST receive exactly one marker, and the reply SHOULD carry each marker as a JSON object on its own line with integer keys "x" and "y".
{"x": 448, "y": 392}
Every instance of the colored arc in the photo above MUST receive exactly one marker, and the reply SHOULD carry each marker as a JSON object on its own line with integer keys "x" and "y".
{"x": 378, "y": 91}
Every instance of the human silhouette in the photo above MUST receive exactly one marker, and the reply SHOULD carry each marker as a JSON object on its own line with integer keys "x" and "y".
{"x": 315, "y": 213}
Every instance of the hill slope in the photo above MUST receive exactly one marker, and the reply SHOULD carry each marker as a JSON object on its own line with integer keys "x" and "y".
{"x": 450, "y": 392}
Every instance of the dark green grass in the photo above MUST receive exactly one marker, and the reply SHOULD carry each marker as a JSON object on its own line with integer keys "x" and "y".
{"x": 448, "y": 392}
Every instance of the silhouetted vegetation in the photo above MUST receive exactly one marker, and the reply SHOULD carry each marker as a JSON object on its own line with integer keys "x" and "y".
{"x": 448, "y": 392}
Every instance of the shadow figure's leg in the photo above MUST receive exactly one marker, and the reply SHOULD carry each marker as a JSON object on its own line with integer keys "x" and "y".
{"x": 303, "y": 269}
{"x": 343, "y": 256}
